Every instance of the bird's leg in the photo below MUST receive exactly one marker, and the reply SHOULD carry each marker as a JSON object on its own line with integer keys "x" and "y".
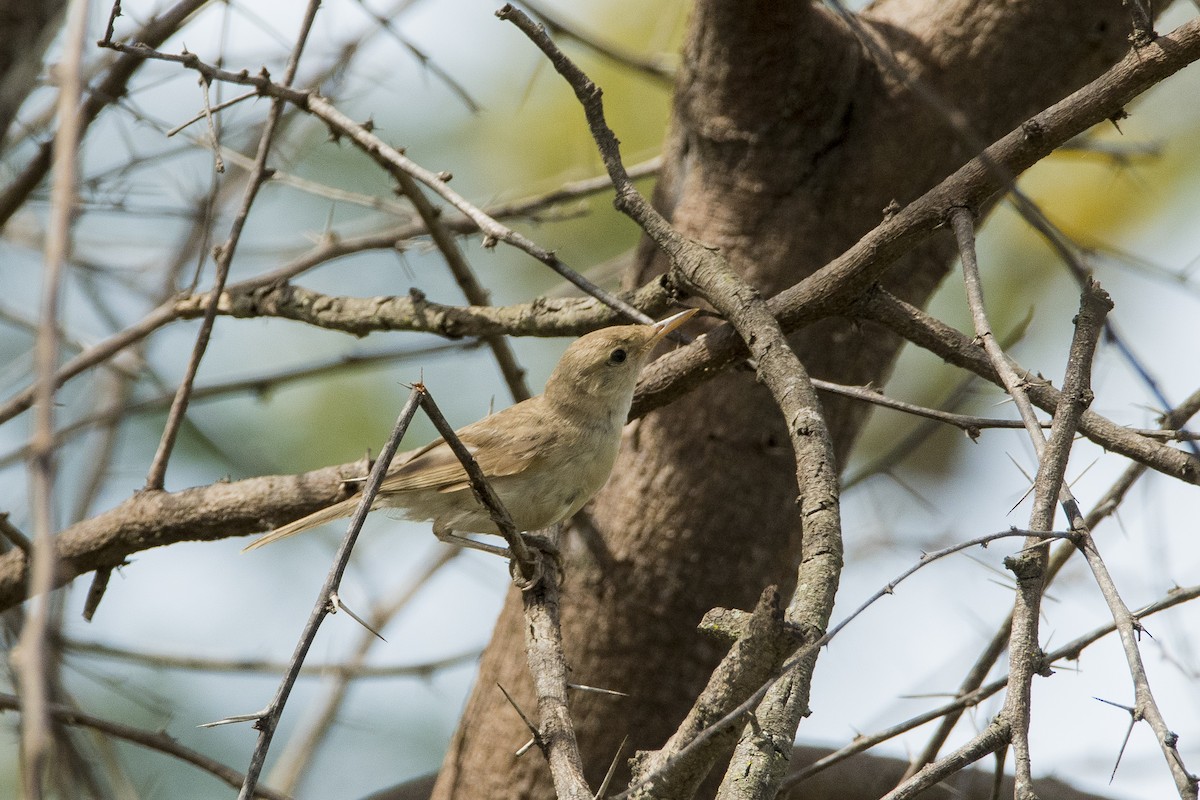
{"x": 546, "y": 545}
{"x": 450, "y": 537}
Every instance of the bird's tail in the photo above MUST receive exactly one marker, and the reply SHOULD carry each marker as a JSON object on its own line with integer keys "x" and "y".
{"x": 336, "y": 511}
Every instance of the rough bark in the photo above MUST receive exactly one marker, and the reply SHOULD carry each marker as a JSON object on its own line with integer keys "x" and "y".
{"x": 789, "y": 139}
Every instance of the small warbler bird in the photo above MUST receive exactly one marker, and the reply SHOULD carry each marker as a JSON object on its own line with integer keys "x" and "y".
{"x": 545, "y": 457}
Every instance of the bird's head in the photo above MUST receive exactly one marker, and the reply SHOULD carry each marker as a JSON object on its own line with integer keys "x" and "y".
{"x": 598, "y": 372}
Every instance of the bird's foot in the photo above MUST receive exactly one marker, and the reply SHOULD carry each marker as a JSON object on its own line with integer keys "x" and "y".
{"x": 545, "y": 549}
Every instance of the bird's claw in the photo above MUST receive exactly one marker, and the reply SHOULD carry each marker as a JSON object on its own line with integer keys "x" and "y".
{"x": 542, "y": 548}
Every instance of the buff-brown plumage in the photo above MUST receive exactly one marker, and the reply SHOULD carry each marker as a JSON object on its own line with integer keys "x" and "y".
{"x": 545, "y": 457}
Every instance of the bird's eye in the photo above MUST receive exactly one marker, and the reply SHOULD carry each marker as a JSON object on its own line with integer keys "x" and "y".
{"x": 618, "y": 356}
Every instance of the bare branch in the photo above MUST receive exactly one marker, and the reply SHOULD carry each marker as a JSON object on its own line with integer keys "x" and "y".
{"x": 708, "y": 273}
{"x": 268, "y": 721}
{"x": 958, "y": 349}
{"x": 158, "y": 741}
{"x": 676, "y": 770}
{"x": 109, "y": 90}
{"x": 362, "y": 315}
{"x": 968, "y": 698}
{"x": 548, "y": 666}
{"x": 657, "y": 68}
{"x": 35, "y": 664}
{"x": 224, "y": 258}
{"x": 514, "y": 376}
{"x": 341, "y": 670}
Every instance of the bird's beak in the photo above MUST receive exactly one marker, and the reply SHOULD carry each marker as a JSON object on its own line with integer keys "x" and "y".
{"x": 663, "y": 327}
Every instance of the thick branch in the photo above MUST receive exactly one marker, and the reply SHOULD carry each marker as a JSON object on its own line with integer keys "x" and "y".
{"x": 762, "y": 642}
{"x": 205, "y": 513}
{"x": 548, "y": 666}
{"x": 830, "y": 289}
{"x": 708, "y": 273}
{"x": 572, "y": 316}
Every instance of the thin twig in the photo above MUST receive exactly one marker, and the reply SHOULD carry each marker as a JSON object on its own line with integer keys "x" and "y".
{"x": 35, "y": 665}
{"x": 977, "y": 694}
{"x": 297, "y": 755}
{"x": 110, "y": 89}
{"x": 13, "y": 534}
{"x": 208, "y": 113}
{"x": 967, "y": 423}
{"x": 387, "y": 22}
{"x": 268, "y": 720}
{"x": 350, "y": 669}
{"x": 224, "y": 258}
{"x": 800, "y": 656}
{"x": 156, "y": 740}
{"x": 655, "y": 67}
{"x": 476, "y": 295}
{"x": 215, "y": 138}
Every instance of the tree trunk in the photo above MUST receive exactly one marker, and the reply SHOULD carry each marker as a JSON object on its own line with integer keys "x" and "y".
{"x": 789, "y": 139}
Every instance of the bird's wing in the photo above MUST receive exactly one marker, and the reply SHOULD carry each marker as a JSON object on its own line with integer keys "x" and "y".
{"x": 433, "y": 466}
{"x": 490, "y": 441}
